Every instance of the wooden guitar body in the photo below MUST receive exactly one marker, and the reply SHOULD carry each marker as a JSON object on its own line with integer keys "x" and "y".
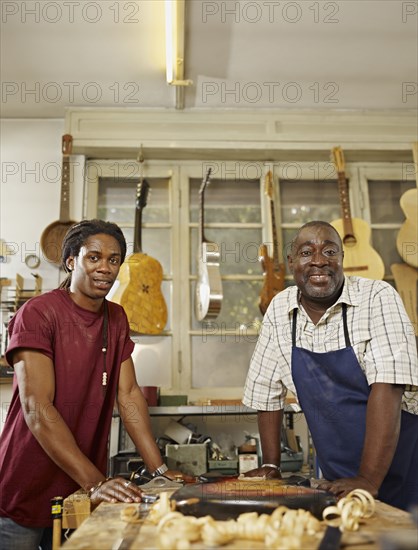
{"x": 406, "y": 280}
{"x": 273, "y": 269}
{"x": 140, "y": 278}
{"x": 273, "y": 279}
{"x": 406, "y": 241}
{"x": 139, "y": 294}
{"x": 208, "y": 293}
{"x": 53, "y": 235}
{"x": 360, "y": 258}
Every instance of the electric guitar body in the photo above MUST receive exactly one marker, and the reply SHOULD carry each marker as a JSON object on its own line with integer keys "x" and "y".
{"x": 273, "y": 269}
{"x": 360, "y": 258}
{"x": 208, "y": 290}
{"x": 140, "y": 278}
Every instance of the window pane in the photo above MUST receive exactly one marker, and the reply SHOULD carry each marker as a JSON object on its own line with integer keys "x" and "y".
{"x": 117, "y": 200}
{"x": 221, "y": 361}
{"x": 306, "y": 200}
{"x": 384, "y": 242}
{"x": 238, "y": 250}
{"x": 227, "y": 201}
{"x": 239, "y": 310}
{"x": 152, "y": 360}
{"x": 384, "y": 198}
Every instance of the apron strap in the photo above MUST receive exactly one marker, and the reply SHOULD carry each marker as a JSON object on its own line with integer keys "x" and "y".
{"x": 346, "y": 335}
{"x": 295, "y": 314}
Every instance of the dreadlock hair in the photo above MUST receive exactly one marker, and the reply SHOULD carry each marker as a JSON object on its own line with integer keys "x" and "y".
{"x": 78, "y": 234}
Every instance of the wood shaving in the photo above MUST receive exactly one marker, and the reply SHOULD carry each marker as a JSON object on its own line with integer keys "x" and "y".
{"x": 131, "y": 514}
{"x": 358, "y": 504}
{"x": 283, "y": 529}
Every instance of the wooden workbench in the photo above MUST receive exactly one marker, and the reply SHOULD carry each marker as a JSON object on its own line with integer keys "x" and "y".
{"x": 104, "y": 530}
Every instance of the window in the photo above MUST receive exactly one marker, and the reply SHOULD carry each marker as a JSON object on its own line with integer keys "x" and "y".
{"x": 210, "y": 359}
{"x": 190, "y": 357}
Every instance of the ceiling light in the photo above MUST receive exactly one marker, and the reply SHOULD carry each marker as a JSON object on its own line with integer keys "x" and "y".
{"x": 174, "y": 42}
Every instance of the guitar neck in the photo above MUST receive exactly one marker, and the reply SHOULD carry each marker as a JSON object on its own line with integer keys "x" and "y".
{"x": 276, "y": 262}
{"x": 202, "y": 237}
{"x": 65, "y": 189}
{"x": 138, "y": 230}
{"x": 345, "y": 204}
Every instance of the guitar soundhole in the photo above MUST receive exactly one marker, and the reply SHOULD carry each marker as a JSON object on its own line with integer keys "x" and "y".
{"x": 350, "y": 240}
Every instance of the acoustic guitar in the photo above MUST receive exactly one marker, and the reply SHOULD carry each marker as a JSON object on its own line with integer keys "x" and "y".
{"x": 360, "y": 258}
{"x": 140, "y": 278}
{"x": 273, "y": 269}
{"x": 406, "y": 274}
{"x": 208, "y": 291}
{"x": 406, "y": 280}
{"x": 406, "y": 241}
{"x": 53, "y": 235}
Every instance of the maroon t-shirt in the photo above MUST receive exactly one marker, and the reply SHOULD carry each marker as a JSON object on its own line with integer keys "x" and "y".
{"x": 72, "y": 338}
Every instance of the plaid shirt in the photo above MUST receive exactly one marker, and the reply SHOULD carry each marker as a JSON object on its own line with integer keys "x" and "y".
{"x": 380, "y": 331}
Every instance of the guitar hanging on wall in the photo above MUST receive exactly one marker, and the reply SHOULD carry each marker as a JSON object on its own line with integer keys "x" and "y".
{"x": 406, "y": 241}
{"x": 360, "y": 258}
{"x": 140, "y": 277}
{"x": 208, "y": 290}
{"x": 273, "y": 269}
{"x": 406, "y": 274}
{"x": 53, "y": 235}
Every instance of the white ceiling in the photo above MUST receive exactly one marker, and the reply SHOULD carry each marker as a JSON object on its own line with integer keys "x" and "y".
{"x": 348, "y": 54}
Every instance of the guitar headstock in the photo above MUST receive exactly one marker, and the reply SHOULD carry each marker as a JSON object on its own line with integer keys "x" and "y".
{"x": 67, "y": 144}
{"x": 338, "y": 158}
{"x": 268, "y": 185}
{"x": 142, "y": 191}
{"x": 205, "y": 181}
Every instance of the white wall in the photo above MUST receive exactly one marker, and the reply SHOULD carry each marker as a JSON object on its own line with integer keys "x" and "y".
{"x": 31, "y": 160}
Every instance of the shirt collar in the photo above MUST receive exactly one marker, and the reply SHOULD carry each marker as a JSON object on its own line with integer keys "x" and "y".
{"x": 348, "y": 295}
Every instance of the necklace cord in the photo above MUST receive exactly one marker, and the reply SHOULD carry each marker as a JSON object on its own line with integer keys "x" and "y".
{"x": 105, "y": 343}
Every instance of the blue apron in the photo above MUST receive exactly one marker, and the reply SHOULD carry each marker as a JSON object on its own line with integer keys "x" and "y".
{"x": 333, "y": 392}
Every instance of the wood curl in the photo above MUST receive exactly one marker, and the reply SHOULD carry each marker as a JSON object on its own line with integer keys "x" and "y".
{"x": 283, "y": 529}
{"x": 351, "y": 509}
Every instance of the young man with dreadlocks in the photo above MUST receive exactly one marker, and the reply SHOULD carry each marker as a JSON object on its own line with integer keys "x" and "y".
{"x": 71, "y": 353}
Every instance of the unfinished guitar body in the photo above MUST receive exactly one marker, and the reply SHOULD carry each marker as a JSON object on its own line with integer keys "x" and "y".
{"x": 273, "y": 279}
{"x": 273, "y": 268}
{"x": 139, "y": 294}
{"x": 360, "y": 258}
{"x": 406, "y": 241}
{"x": 406, "y": 280}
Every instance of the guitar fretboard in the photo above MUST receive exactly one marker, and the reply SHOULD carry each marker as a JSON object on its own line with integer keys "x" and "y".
{"x": 275, "y": 241}
{"x": 65, "y": 178}
{"x": 345, "y": 207}
{"x": 138, "y": 230}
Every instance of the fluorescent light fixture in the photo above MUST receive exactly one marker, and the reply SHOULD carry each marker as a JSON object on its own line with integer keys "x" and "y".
{"x": 170, "y": 42}
{"x": 174, "y": 42}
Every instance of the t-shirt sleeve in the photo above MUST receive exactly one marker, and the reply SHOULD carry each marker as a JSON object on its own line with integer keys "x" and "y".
{"x": 30, "y": 328}
{"x": 127, "y": 343}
